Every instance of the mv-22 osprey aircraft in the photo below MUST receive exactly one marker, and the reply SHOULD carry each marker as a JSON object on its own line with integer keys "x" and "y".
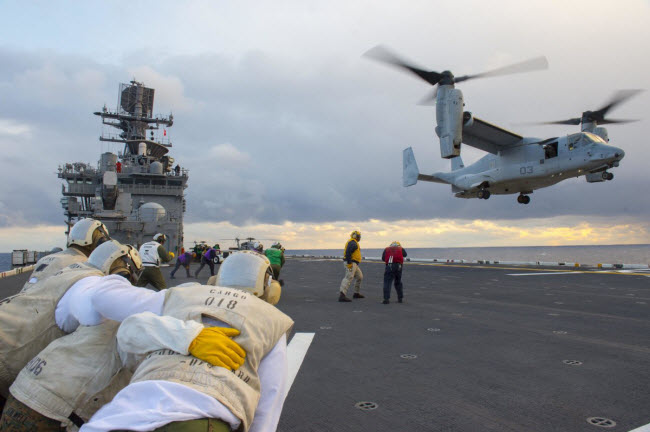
{"x": 515, "y": 164}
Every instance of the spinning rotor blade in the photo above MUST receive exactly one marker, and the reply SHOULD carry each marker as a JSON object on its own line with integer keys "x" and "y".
{"x": 537, "y": 63}
{"x": 573, "y": 121}
{"x": 618, "y": 121}
{"x": 618, "y": 98}
{"x": 382, "y": 54}
{"x": 598, "y": 116}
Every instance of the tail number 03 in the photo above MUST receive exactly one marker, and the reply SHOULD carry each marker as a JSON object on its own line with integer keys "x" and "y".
{"x": 526, "y": 170}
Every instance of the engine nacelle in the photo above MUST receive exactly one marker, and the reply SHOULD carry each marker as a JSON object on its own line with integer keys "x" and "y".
{"x": 596, "y": 177}
{"x": 449, "y": 115}
{"x": 602, "y": 132}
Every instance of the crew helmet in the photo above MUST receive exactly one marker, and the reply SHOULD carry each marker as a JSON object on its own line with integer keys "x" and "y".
{"x": 112, "y": 257}
{"x": 249, "y": 271}
{"x": 356, "y": 235}
{"x": 396, "y": 243}
{"x": 160, "y": 238}
{"x": 276, "y": 245}
{"x": 88, "y": 232}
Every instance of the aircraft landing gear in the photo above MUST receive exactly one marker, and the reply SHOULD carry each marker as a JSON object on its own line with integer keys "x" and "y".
{"x": 608, "y": 176}
{"x": 523, "y": 199}
{"x": 483, "y": 194}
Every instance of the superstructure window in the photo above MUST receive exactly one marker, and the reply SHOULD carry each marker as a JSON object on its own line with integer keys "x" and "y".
{"x": 142, "y": 181}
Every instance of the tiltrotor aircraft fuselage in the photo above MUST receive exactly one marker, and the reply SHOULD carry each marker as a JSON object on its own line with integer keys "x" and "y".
{"x": 514, "y": 164}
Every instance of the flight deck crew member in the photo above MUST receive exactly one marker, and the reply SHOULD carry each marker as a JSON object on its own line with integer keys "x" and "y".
{"x": 393, "y": 256}
{"x": 276, "y": 255}
{"x": 351, "y": 260}
{"x": 184, "y": 260}
{"x": 84, "y": 238}
{"x": 175, "y": 389}
{"x": 32, "y": 319}
{"x": 153, "y": 253}
{"x": 207, "y": 258}
{"x": 79, "y": 373}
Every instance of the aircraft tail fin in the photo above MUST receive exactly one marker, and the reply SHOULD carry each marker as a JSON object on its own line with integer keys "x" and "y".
{"x": 410, "y": 168}
{"x": 457, "y": 163}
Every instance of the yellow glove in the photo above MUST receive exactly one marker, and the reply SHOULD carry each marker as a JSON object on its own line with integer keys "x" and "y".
{"x": 349, "y": 266}
{"x": 171, "y": 254}
{"x": 215, "y": 346}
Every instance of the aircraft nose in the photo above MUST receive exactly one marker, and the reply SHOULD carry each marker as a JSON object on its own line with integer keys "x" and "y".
{"x": 619, "y": 154}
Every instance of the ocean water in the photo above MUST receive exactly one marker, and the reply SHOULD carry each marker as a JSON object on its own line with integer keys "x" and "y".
{"x": 609, "y": 254}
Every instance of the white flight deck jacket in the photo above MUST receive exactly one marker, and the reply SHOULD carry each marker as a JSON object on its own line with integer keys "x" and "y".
{"x": 27, "y": 321}
{"x": 50, "y": 264}
{"x": 261, "y": 326}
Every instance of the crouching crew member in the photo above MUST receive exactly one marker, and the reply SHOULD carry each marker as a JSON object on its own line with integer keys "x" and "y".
{"x": 184, "y": 260}
{"x": 153, "y": 253}
{"x": 351, "y": 260}
{"x": 276, "y": 255}
{"x": 77, "y": 374}
{"x": 32, "y": 319}
{"x": 175, "y": 389}
{"x": 207, "y": 258}
{"x": 393, "y": 256}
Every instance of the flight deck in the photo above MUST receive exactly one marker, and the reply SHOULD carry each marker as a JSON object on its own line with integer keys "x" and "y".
{"x": 472, "y": 348}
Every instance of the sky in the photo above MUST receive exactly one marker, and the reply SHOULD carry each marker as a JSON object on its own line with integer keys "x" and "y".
{"x": 290, "y": 134}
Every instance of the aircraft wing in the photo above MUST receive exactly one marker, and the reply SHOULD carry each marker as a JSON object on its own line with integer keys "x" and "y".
{"x": 488, "y": 137}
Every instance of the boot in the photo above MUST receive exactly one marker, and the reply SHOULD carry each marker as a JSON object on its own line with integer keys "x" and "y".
{"x": 399, "y": 301}
{"x": 343, "y": 298}
{"x": 385, "y": 301}
{"x": 358, "y": 295}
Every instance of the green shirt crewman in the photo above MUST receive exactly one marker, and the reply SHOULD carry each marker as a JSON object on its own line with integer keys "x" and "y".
{"x": 275, "y": 254}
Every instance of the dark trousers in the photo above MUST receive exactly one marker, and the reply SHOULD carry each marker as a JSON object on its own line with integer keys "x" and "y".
{"x": 205, "y": 261}
{"x": 178, "y": 264}
{"x": 393, "y": 271}
{"x": 276, "y": 271}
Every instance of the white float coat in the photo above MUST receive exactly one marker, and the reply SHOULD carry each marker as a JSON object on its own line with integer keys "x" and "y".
{"x": 88, "y": 302}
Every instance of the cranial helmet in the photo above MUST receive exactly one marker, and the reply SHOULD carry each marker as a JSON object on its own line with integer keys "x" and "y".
{"x": 250, "y": 272}
{"x": 276, "y": 245}
{"x": 356, "y": 235}
{"x": 160, "y": 238}
{"x": 113, "y": 257}
{"x": 88, "y": 232}
{"x": 396, "y": 243}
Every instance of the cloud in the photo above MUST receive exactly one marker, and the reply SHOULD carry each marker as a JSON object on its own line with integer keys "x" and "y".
{"x": 280, "y": 121}
{"x": 227, "y": 155}
{"x": 13, "y": 128}
{"x": 377, "y": 233}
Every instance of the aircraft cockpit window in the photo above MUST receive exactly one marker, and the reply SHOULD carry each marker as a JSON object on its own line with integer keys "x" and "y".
{"x": 592, "y": 138}
{"x": 550, "y": 150}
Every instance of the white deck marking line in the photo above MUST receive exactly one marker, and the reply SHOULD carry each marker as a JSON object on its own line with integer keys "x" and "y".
{"x": 296, "y": 351}
{"x": 645, "y": 428}
{"x": 543, "y": 274}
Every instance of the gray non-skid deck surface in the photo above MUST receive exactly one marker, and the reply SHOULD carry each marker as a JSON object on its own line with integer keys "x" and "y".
{"x": 488, "y": 355}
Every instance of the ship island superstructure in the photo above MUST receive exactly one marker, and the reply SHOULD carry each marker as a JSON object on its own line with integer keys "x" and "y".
{"x": 139, "y": 191}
